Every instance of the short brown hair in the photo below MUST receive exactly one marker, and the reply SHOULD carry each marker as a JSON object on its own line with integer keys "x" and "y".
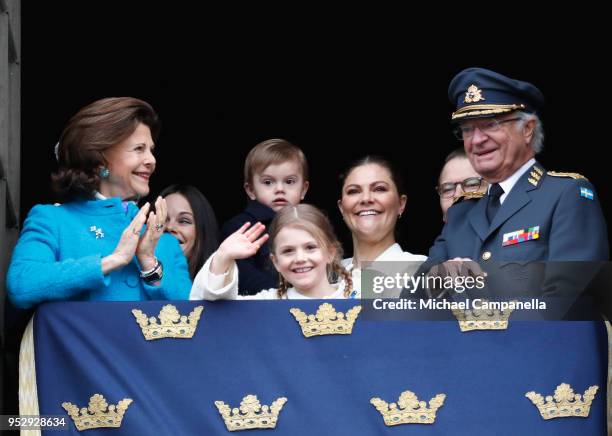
{"x": 456, "y": 153}
{"x": 312, "y": 220}
{"x": 271, "y": 152}
{"x": 92, "y": 130}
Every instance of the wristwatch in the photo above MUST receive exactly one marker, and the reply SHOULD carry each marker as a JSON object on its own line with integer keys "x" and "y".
{"x": 154, "y": 274}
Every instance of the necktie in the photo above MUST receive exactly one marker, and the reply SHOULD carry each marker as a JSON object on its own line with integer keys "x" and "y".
{"x": 493, "y": 202}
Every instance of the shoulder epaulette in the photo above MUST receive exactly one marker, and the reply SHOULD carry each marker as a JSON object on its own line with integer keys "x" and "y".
{"x": 469, "y": 196}
{"x": 572, "y": 175}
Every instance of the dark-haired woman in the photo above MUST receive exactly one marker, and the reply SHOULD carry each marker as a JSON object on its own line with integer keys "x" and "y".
{"x": 192, "y": 221}
{"x": 372, "y": 200}
{"x": 98, "y": 245}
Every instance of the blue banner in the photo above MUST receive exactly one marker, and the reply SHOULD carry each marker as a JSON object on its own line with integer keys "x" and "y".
{"x": 257, "y": 347}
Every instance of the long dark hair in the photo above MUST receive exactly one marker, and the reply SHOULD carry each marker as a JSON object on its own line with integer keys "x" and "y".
{"x": 207, "y": 230}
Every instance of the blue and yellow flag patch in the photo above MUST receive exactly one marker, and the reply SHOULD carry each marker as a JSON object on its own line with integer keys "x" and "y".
{"x": 587, "y": 193}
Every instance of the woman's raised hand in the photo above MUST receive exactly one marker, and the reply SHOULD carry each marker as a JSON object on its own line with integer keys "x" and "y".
{"x": 126, "y": 248}
{"x": 155, "y": 228}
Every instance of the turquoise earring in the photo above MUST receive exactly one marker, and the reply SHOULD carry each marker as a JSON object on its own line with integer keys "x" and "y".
{"x": 104, "y": 173}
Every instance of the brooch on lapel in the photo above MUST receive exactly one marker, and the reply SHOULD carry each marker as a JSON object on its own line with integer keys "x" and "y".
{"x": 97, "y": 231}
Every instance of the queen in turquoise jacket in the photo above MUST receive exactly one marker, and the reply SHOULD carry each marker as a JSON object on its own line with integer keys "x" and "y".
{"x": 98, "y": 245}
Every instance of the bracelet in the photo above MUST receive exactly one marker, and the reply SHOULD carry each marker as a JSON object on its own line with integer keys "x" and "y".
{"x": 153, "y": 275}
{"x": 149, "y": 271}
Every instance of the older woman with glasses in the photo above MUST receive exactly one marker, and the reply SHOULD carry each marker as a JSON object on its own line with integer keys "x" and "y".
{"x": 456, "y": 178}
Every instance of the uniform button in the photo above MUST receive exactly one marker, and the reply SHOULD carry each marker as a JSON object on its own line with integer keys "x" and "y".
{"x": 486, "y": 255}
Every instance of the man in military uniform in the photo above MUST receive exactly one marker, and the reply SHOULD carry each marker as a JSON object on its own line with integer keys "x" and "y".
{"x": 528, "y": 213}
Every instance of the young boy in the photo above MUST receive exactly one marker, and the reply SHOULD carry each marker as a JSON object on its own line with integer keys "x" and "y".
{"x": 275, "y": 175}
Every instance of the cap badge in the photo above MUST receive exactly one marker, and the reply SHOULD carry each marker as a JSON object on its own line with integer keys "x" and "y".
{"x": 473, "y": 94}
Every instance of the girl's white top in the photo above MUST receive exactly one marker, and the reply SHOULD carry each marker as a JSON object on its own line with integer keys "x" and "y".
{"x": 209, "y": 286}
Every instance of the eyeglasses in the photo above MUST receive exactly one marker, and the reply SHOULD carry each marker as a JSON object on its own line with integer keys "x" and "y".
{"x": 466, "y": 131}
{"x": 471, "y": 184}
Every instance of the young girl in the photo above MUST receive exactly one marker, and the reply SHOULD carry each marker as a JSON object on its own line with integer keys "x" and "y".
{"x": 304, "y": 251}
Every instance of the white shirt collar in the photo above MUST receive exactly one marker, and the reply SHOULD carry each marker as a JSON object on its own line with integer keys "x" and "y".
{"x": 509, "y": 183}
{"x": 390, "y": 253}
{"x": 99, "y": 196}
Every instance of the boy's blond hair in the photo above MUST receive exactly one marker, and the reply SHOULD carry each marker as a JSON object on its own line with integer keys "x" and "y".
{"x": 273, "y": 152}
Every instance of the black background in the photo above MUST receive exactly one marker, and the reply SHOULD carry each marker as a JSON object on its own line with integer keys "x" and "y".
{"x": 341, "y": 84}
{"x": 222, "y": 83}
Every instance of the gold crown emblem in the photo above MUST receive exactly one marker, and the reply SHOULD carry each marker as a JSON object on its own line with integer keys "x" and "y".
{"x": 327, "y": 321}
{"x": 564, "y": 403}
{"x": 98, "y": 414}
{"x": 251, "y": 413}
{"x": 410, "y": 411}
{"x": 171, "y": 323}
{"x": 473, "y": 95}
{"x": 482, "y": 319}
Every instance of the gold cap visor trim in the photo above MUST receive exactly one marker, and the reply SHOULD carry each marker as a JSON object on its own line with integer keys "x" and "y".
{"x": 485, "y": 109}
